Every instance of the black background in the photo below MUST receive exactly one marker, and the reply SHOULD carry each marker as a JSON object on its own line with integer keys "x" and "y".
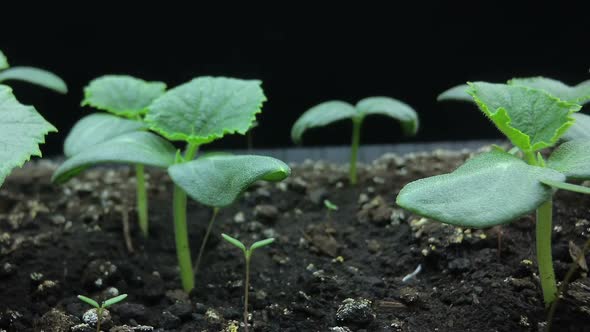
{"x": 305, "y": 55}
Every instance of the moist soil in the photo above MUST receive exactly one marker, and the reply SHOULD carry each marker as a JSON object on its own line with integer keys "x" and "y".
{"x": 339, "y": 272}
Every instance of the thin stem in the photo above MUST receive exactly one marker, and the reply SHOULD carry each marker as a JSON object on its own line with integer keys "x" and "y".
{"x": 205, "y": 238}
{"x": 356, "y": 138}
{"x": 183, "y": 251}
{"x": 544, "y": 259}
{"x": 99, "y": 317}
{"x": 142, "y": 202}
{"x": 246, "y": 288}
{"x": 191, "y": 151}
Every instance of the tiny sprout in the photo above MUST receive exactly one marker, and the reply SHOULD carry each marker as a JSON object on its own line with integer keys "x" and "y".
{"x": 413, "y": 274}
{"x": 247, "y": 256}
{"x": 99, "y": 308}
{"x": 331, "y": 206}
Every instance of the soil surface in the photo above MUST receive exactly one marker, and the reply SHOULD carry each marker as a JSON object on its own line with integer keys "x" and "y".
{"x": 342, "y": 272}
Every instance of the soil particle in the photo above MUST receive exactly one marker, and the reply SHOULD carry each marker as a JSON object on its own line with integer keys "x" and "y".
{"x": 90, "y": 317}
{"x": 99, "y": 274}
{"x": 267, "y": 213}
{"x": 357, "y": 312}
{"x": 168, "y": 321}
{"x": 181, "y": 310}
{"x": 128, "y": 311}
{"x": 55, "y": 321}
{"x": 127, "y": 328}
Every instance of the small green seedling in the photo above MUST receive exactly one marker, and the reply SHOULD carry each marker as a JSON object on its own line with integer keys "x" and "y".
{"x": 333, "y": 111}
{"x": 247, "y": 256}
{"x": 22, "y": 130}
{"x": 196, "y": 113}
{"x": 100, "y": 308}
{"x": 498, "y": 187}
{"x": 126, "y": 99}
{"x": 330, "y": 207}
{"x": 32, "y": 75}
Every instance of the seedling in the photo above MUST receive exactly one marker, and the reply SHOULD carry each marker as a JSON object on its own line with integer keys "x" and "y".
{"x": 32, "y": 75}
{"x": 330, "y": 207}
{"x": 126, "y": 98}
{"x": 333, "y": 111}
{"x": 247, "y": 256}
{"x": 197, "y": 112}
{"x": 22, "y": 130}
{"x": 100, "y": 308}
{"x": 497, "y": 187}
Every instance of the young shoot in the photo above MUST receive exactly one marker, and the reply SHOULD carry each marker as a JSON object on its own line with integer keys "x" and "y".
{"x": 330, "y": 207}
{"x": 31, "y": 75}
{"x": 497, "y": 187}
{"x": 100, "y": 308}
{"x": 333, "y": 111}
{"x": 247, "y": 256}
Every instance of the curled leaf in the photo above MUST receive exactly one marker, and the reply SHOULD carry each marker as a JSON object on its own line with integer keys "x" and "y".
{"x": 36, "y": 76}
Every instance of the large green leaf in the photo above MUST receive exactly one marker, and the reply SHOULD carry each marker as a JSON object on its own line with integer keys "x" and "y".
{"x": 36, "y": 76}
{"x": 97, "y": 128}
{"x": 580, "y": 129}
{"x": 206, "y": 109}
{"x": 572, "y": 159}
{"x": 392, "y": 108}
{"x": 321, "y": 115}
{"x": 137, "y": 147}
{"x": 22, "y": 129}
{"x": 3, "y": 61}
{"x": 490, "y": 189}
{"x": 532, "y": 119}
{"x": 219, "y": 180}
{"x": 122, "y": 95}
{"x": 579, "y": 94}
{"x": 458, "y": 92}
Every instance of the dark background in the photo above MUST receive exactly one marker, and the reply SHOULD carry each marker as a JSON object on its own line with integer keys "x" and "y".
{"x": 306, "y": 55}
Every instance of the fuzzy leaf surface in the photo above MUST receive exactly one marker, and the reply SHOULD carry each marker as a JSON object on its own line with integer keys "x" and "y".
{"x": 321, "y": 115}
{"x": 261, "y": 243}
{"x": 580, "y": 129}
{"x": 219, "y": 180}
{"x": 95, "y": 129}
{"x": 572, "y": 159}
{"x": 22, "y": 129}
{"x": 138, "y": 147}
{"x": 491, "y": 189}
{"x": 458, "y": 93}
{"x": 122, "y": 95}
{"x": 3, "y": 61}
{"x": 206, "y": 108}
{"x": 35, "y": 76}
{"x": 233, "y": 241}
{"x": 392, "y": 108}
{"x": 579, "y": 94}
{"x": 530, "y": 118}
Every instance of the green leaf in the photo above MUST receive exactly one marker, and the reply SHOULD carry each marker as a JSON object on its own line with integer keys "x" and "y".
{"x": 579, "y": 94}
{"x": 580, "y": 129}
{"x": 572, "y": 159}
{"x": 330, "y": 206}
{"x": 89, "y": 301}
{"x": 97, "y": 128}
{"x": 234, "y": 241}
{"x": 114, "y": 300}
{"x": 132, "y": 148}
{"x": 22, "y": 129}
{"x": 458, "y": 93}
{"x": 219, "y": 180}
{"x": 206, "y": 108}
{"x": 567, "y": 186}
{"x": 122, "y": 95}
{"x": 392, "y": 108}
{"x": 490, "y": 189}
{"x": 321, "y": 115}
{"x": 3, "y": 61}
{"x": 261, "y": 243}
{"x": 530, "y": 118}
{"x": 36, "y": 76}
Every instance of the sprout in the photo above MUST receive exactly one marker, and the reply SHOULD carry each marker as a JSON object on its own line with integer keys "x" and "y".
{"x": 330, "y": 207}
{"x": 100, "y": 308}
{"x": 247, "y": 256}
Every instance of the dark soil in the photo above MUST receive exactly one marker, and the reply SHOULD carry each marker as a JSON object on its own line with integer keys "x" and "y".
{"x": 338, "y": 274}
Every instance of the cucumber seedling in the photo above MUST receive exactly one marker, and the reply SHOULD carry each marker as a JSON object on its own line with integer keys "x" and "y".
{"x": 125, "y": 99}
{"x": 330, "y": 207}
{"x": 100, "y": 308}
{"x": 247, "y": 257}
{"x": 333, "y": 111}
{"x": 32, "y": 75}
{"x": 498, "y": 187}
{"x": 196, "y": 113}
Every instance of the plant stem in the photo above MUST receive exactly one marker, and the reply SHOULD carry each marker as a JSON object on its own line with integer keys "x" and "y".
{"x": 544, "y": 259}
{"x": 183, "y": 251}
{"x": 246, "y": 288}
{"x": 142, "y": 202}
{"x": 99, "y": 317}
{"x": 205, "y": 238}
{"x": 356, "y": 138}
